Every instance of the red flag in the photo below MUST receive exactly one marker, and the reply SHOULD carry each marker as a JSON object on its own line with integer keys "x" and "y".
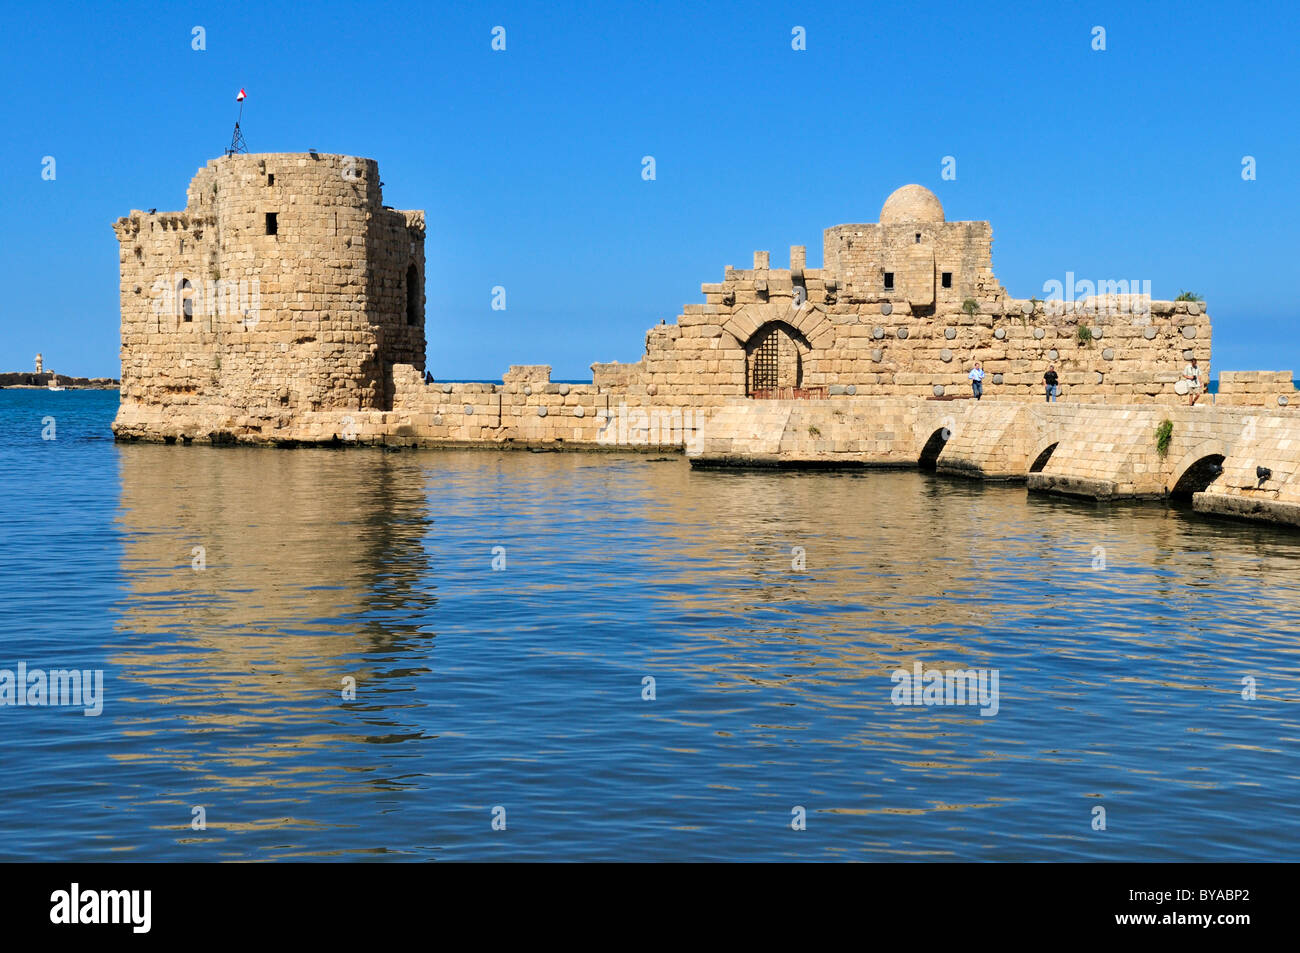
{"x": 240, "y": 98}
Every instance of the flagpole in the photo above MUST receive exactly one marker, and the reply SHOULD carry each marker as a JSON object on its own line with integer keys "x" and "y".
{"x": 237, "y": 143}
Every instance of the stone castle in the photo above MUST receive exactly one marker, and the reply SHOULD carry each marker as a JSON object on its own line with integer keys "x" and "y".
{"x": 285, "y": 306}
{"x": 285, "y": 286}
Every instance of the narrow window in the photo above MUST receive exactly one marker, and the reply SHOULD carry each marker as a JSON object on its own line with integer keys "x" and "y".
{"x": 412, "y": 295}
{"x": 187, "y": 302}
{"x": 270, "y": 178}
{"x": 889, "y": 281}
{"x": 918, "y": 238}
{"x": 272, "y": 226}
{"x": 947, "y": 279}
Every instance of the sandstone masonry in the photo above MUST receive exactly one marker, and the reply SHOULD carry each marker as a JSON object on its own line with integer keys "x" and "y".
{"x": 285, "y": 306}
{"x": 284, "y": 287}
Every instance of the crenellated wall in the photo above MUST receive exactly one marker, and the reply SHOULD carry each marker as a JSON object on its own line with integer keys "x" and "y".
{"x": 285, "y": 306}
{"x": 872, "y": 345}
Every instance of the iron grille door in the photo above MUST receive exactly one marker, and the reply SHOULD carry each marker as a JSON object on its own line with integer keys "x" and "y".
{"x": 766, "y": 356}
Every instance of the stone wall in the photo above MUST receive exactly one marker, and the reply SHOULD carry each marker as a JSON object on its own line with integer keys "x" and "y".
{"x": 883, "y": 347}
{"x": 309, "y": 327}
{"x": 1229, "y": 460}
{"x": 1256, "y": 389}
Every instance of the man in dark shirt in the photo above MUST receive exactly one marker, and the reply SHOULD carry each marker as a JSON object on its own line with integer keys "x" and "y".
{"x": 1050, "y": 382}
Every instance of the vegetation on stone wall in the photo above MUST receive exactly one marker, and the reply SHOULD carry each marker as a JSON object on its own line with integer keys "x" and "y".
{"x": 1164, "y": 433}
{"x": 813, "y": 431}
{"x": 1188, "y": 296}
{"x": 1084, "y": 335}
{"x": 970, "y": 306}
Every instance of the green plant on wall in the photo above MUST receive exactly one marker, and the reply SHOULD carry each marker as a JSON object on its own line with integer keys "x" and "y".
{"x": 1164, "y": 433}
{"x": 1188, "y": 296}
{"x": 1084, "y": 335}
{"x": 970, "y": 306}
{"x": 813, "y": 431}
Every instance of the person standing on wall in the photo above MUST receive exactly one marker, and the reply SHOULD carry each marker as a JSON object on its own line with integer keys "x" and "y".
{"x": 1192, "y": 374}
{"x": 977, "y": 380}
{"x": 1051, "y": 383}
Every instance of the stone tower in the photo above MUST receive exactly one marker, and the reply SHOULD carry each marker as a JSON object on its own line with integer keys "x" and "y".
{"x": 913, "y": 255}
{"x": 286, "y": 286}
{"x": 40, "y": 364}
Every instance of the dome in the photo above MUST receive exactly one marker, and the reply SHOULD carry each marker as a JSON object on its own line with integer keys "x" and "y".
{"x": 911, "y": 203}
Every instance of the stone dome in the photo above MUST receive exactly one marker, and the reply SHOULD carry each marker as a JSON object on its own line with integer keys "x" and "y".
{"x": 911, "y": 203}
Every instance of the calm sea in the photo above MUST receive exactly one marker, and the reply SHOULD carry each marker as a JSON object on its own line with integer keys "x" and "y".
{"x": 229, "y": 595}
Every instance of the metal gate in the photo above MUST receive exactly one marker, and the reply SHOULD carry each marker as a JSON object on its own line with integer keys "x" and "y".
{"x": 766, "y": 364}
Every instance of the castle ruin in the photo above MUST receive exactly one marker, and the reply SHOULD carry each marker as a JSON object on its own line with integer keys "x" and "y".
{"x": 286, "y": 289}
{"x": 285, "y": 286}
{"x": 285, "y": 306}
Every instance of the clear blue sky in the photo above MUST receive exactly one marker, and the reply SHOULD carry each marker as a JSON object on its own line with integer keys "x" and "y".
{"x": 1117, "y": 164}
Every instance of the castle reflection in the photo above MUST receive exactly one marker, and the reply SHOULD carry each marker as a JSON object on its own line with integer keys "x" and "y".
{"x": 255, "y": 583}
{"x": 771, "y": 608}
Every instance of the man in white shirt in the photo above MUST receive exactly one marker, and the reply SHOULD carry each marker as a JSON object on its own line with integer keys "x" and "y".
{"x": 1192, "y": 374}
{"x": 977, "y": 381}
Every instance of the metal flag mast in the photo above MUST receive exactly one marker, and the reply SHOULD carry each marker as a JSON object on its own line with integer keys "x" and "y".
{"x": 237, "y": 143}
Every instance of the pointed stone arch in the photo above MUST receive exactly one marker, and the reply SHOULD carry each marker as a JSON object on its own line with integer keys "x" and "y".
{"x": 774, "y": 359}
{"x": 809, "y": 320}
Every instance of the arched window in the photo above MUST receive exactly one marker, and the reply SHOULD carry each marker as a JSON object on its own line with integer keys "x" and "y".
{"x": 412, "y": 295}
{"x": 186, "y": 301}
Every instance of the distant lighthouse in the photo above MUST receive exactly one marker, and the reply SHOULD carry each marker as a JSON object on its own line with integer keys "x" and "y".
{"x": 40, "y": 365}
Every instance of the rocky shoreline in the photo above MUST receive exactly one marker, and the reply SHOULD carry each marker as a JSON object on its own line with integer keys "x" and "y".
{"x": 28, "y": 380}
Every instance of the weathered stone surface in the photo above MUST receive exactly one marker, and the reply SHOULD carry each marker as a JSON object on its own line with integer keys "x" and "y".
{"x": 336, "y": 344}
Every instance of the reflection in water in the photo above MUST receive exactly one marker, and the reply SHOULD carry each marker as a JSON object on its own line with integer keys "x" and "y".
{"x": 522, "y": 687}
{"x": 257, "y": 583}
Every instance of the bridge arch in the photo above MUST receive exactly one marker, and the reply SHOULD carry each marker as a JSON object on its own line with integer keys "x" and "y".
{"x": 928, "y": 455}
{"x": 1043, "y": 453}
{"x": 1197, "y": 469}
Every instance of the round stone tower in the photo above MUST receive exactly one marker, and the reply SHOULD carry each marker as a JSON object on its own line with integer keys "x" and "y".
{"x": 286, "y": 286}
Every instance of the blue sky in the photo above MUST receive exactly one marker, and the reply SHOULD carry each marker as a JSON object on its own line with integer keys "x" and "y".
{"x": 1117, "y": 164}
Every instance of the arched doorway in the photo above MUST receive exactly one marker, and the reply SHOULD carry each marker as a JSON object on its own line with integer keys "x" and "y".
{"x": 774, "y": 360}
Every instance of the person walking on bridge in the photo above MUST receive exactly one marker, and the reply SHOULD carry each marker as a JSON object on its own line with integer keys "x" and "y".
{"x": 977, "y": 380}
